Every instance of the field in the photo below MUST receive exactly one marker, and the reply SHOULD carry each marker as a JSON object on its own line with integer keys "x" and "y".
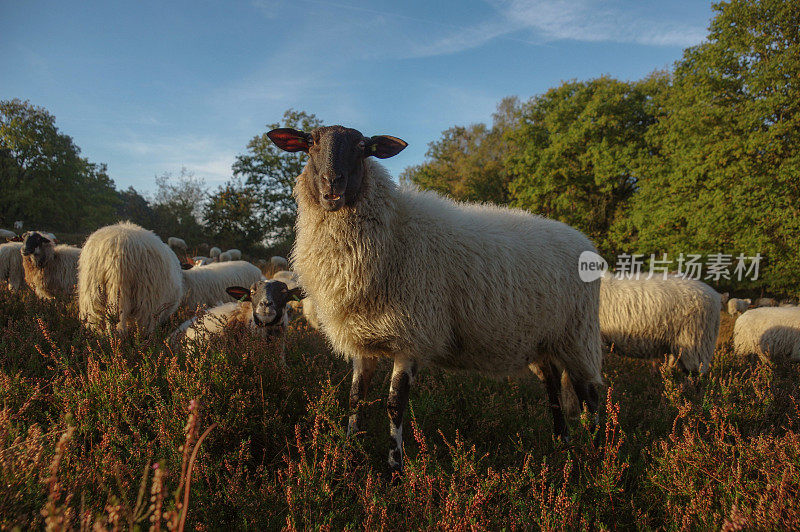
{"x": 99, "y": 433}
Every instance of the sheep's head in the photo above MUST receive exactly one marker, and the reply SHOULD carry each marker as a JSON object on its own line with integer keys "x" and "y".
{"x": 37, "y": 246}
{"x": 268, "y": 299}
{"x": 336, "y": 158}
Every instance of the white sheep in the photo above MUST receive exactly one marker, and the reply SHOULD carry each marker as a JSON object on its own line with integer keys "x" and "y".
{"x": 723, "y": 299}
{"x": 214, "y": 252}
{"x": 178, "y": 245}
{"x": 419, "y": 279}
{"x": 224, "y": 257}
{"x": 657, "y": 316}
{"x": 737, "y": 306}
{"x": 6, "y": 234}
{"x": 11, "y": 271}
{"x": 50, "y": 270}
{"x": 768, "y": 331}
{"x": 279, "y": 263}
{"x": 128, "y": 274}
{"x": 765, "y": 302}
{"x": 262, "y": 308}
{"x": 235, "y": 254}
{"x": 18, "y": 225}
{"x": 206, "y": 285}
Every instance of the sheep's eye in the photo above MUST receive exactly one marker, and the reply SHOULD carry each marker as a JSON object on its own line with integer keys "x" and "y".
{"x": 310, "y": 141}
{"x": 361, "y": 144}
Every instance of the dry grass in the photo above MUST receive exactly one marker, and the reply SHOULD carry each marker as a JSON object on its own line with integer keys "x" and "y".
{"x": 105, "y": 434}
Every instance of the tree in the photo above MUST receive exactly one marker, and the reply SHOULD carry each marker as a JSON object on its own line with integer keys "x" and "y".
{"x": 268, "y": 173}
{"x": 723, "y": 175}
{"x": 178, "y": 205}
{"x": 575, "y": 154}
{"x": 468, "y": 163}
{"x": 135, "y": 208}
{"x": 231, "y": 216}
{"x": 43, "y": 179}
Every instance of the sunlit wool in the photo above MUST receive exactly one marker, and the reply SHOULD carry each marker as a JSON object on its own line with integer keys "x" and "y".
{"x": 768, "y": 331}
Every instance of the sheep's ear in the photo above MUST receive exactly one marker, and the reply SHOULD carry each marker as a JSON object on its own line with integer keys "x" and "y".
{"x": 296, "y": 294}
{"x": 239, "y": 293}
{"x": 385, "y": 146}
{"x": 186, "y": 266}
{"x": 289, "y": 139}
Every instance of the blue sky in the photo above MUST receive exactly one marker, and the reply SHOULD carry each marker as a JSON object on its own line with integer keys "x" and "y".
{"x": 150, "y": 87}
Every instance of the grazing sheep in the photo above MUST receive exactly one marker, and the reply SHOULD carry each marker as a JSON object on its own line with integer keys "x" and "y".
{"x": 127, "y": 273}
{"x": 235, "y": 254}
{"x": 657, "y": 316}
{"x": 737, "y": 306}
{"x": 5, "y": 233}
{"x": 206, "y": 285}
{"x": 262, "y": 308}
{"x": 723, "y": 299}
{"x": 765, "y": 302}
{"x": 224, "y": 257}
{"x": 419, "y": 279}
{"x": 178, "y": 245}
{"x": 279, "y": 263}
{"x": 11, "y": 271}
{"x": 214, "y": 252}
{"x": 768, "y": 331}
{"x": 52, "y": 271}
{"x": 18, "y": 225}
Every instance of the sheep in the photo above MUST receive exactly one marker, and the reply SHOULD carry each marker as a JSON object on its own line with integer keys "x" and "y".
{"x": 202, "y": 261}
{"x": 279, "y": 263}
{"x": 206, "y": 285}
{"x": 18, "y": 225}
{"x": 224, "y": 257}
{"x": 723, "y": 299}
{"x": 657, "y": 316}
{"x": 128, "y": 273}
{"x": 235, "y": 254}
{"x": 50, "y": 270}
{"x": 765, "y": 302}
{"x": 788, "y": 303}
{"x": 291, "y": 280}
{"x": 5, "y": 233}
{"x": 11, "y": 271}
{"x": 178, "y": 245}
{"x": 737, "y": 306}
{"x": 402, "y": 274}
{"x": 261, "y": 308}
{"x": 214, "y": 252}
{"x": 768, "y": 331}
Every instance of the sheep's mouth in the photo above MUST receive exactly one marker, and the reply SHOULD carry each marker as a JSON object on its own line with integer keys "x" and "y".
{"x": 333, "y": 197}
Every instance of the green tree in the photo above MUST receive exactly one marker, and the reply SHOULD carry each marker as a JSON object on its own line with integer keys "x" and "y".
{"x": 468, "y": 163}
{"x": 134, "y": 207}
{"x": 178, "y": 206}
{"x": 723, "y": 175}
{"x": 269, "y": 173}
{"x": 575, "y": 155}
{"x": 232, "y": 217}
{"x": 43, "y": 179}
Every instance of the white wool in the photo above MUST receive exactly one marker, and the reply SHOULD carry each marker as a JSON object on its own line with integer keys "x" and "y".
{"x": 224, "y": 257}
{"x": 310, "y": 312}
{"x": 279, "y": 263}
{"x": 214, "y": 252}
{"x": 5, "y": 233}
{"x": 290, "y": 279}
{"x": 127, "y": 273}
{"x": 57, "y": 276}
{"x": 205, "y": 285}
{"x": 177, "y": 244}
{"x": 657, "y": 316}
{"x": 737, "y": 306}
{"x": 235, "y": 254}
{"x": 11, "y": 272}
{"x": 409, "y": 273}
{"x": 768, "y": 331}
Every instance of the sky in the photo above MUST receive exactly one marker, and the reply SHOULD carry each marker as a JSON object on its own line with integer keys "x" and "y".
{"x": 151, "y": 87}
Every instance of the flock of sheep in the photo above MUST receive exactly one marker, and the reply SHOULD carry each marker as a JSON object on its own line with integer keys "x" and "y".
{"x": 396, "y": 273}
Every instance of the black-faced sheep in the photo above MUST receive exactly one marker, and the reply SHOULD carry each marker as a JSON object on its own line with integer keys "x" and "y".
{"x": 50, "y": 270}
{"x": 406, "y": 275}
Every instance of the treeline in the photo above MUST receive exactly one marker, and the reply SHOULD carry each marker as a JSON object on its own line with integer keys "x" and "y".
{"x": 701, "y": 159}
{"x": 46, "y": 184}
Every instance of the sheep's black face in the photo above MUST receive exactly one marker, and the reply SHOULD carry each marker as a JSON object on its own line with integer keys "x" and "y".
{"x": 336, "y": 160}
{"x": 35, "y": 244}
{"x": 268, "y": 299}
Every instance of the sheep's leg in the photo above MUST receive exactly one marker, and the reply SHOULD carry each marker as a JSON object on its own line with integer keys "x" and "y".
{"x": 363, "y": 369}
{"x": 552, "y": 382}
{"x": 403, "y": 375}
{"x": 589, "y": 398}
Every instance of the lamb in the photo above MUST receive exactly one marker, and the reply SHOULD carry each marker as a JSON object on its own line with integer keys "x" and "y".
{"x": 50, "y": 270}
{"x": 279, "y": 263}
{"x": 261, "y": 308}
{"x": 214, "y": 252}
{"x": 235, "y": 254}
{"x": 178, "y": 245}
{"x": 737, "y": 306}
{"x": 5, "y": 233}
{"x": 768, "y": 331}
{"x": 657, "y": 316}
{"x": 766, "y": 302}
{"x": 206, "y": 285}
{"x": 11, "y": 271}
{"x": 224, "y": 257}
{"x": 402, "y": 274}
{"x": 128, "y": 273}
